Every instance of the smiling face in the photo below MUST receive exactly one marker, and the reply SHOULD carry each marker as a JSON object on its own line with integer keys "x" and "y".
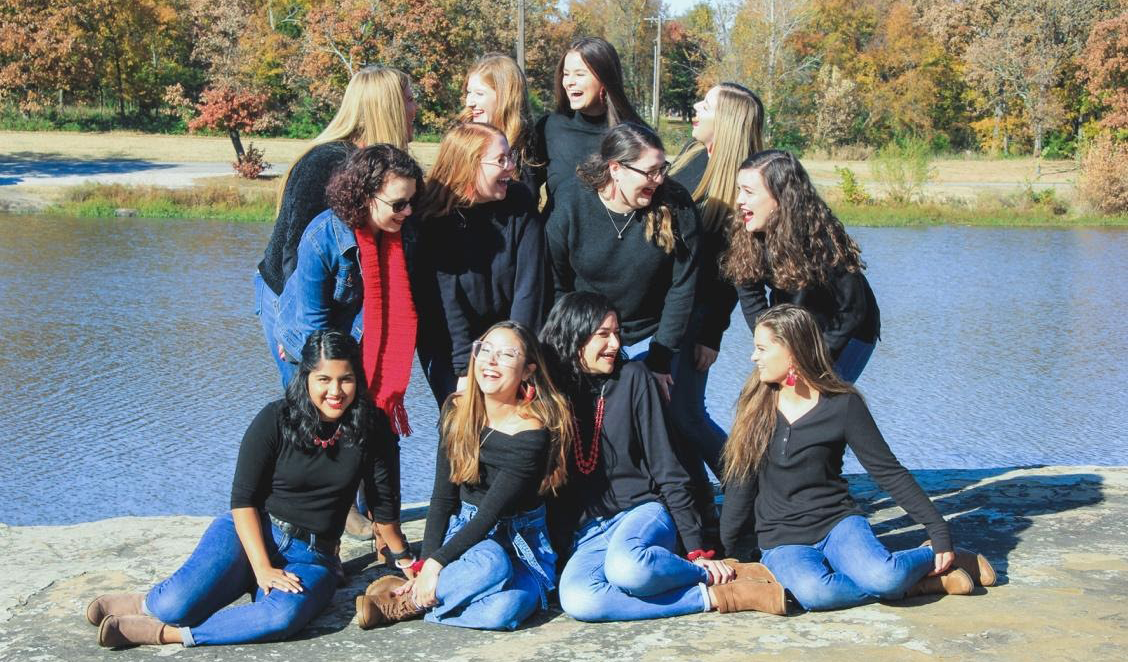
{"x": 599, "y": 353}
{"x": 500, "y": 364}
{"x": 772, "y": 359}
{"x": 332, "y": 388}
{"x": 494, "y": 171}
{"x": 581, "y": 86}
{"x": 753, "y": 200}
{"x": 481, "y": 100}
{"x": 395, "y": 191}
{"x": 704, "y": 114}
{"x": 636, "y": 188}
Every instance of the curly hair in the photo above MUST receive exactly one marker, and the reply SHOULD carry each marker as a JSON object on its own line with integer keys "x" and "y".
{"x": 625, "y": 143}
{"x": 360, "y": 178}
{"x": 803, "y": 243}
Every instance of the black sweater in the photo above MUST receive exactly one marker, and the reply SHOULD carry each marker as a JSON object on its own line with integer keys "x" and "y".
{"x": 484, "y": 264}
{"x": 799, "y": 490}
{"x": 302, "y": 199}
{"x": 844, "y": 307}
{"x": 560, "y": 143}
{"x": 637, "y": 460}
{"x": 714, "y": 294}
{"x": 511, "y": 466}
{"x": 653, "y": 290}
{"x": 314, "y": 489}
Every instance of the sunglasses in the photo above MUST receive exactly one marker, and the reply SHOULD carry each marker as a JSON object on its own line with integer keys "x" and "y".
{"x": 397, "y": 206}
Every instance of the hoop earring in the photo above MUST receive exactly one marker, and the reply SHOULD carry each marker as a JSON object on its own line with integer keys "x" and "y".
{"x": 791, "y": 376}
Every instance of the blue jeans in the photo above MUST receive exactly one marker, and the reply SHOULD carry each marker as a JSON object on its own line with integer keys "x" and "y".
{"x": 218, "y": 572}
{"x": 847, "y": 568}
{"x": 500, "y": 581}
{"x": 687, "y": 401}
{"x": 624, "y": 568}
{"x": 266, "y": 307}
{"x": 853, "y": 359}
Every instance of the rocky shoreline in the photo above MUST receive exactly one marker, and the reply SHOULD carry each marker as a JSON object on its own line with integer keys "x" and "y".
{"x": 1055, "y": 534}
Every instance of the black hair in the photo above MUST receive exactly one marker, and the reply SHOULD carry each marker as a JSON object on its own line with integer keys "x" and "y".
{"x": 300, "y": 419}
{"x": 570, "y": 324}
{"x": 603, "y": 61}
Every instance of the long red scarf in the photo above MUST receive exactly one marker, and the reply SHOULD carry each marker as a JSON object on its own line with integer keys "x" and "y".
{"x": 389, "y": 323}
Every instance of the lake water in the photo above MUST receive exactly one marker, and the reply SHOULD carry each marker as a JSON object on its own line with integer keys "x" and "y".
{"x": 131, "y": 361}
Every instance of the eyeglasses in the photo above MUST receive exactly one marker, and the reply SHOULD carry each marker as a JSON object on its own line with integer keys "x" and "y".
{"x": 510, "y": 357}
{"x": 397, "y": 206}
{"x": 505, "y": 161}
{"x": 651, "y": 175}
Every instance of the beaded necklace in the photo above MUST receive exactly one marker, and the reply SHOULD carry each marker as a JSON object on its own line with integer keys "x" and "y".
{"x": 587, "y": 464}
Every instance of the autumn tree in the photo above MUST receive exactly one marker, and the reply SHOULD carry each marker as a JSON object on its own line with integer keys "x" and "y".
{"x": 1104, "y": 65}
{"x": 230, "y": 110}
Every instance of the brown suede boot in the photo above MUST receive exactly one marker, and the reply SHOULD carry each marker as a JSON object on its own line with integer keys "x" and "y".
{"x": 750, "y": 570}
{"x": 749, "y": 595}
{"x": 378, "y": 606}
{"x": 953, "y": 582}
{"x": 113, "y": 604}
{"x": 975, "y": 565}
{"x": 119, "y": 631}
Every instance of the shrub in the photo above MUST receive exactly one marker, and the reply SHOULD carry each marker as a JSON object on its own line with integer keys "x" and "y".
{"x": 852, "y": 190}
{"x": 903, "y": 167}
{"x": 1104, "y": 176}
{"x": 251, "y": 164}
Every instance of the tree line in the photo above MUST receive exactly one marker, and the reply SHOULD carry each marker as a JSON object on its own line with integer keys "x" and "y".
{"x": 1010, "y": 76}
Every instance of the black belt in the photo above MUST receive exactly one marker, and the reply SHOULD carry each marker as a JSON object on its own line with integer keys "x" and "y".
{"x": 323, "y": 545}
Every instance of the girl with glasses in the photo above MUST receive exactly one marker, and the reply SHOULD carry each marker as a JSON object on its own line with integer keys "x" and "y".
{"x": 488, "y": 563}
{"x": 481, "y": 249}
{"x": 621, "y": 230}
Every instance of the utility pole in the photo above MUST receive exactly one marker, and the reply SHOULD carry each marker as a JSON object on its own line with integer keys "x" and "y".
{"x": 655, "y": 104}
{"x": 521, "y": 35}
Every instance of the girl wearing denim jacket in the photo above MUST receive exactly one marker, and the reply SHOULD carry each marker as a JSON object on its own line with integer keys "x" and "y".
{"x": 488, "y": 562}
{"x": 299, "y": 466}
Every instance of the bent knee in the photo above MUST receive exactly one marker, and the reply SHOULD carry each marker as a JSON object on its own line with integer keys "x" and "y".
{"x": 173, "y": 609}
{"x": 884, "y": 586}
{"x": 582, "y": 603}
{"x": 631, "y": 574}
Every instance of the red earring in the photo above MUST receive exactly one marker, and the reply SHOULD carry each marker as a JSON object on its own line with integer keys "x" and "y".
{"x": 530, "y": 393}
{"x": 790, "y": 380}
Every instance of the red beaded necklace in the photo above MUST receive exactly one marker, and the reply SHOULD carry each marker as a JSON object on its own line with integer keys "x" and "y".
{"x": 586, "y": 465}
{"x": 326, "y": 443}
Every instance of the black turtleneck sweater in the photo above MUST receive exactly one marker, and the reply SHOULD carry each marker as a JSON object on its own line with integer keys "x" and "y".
{"x": 562, "y": 142}
{"x": 716, "y": 295}
{"x": 637, "y": 460}
{"x": 485, "y": 264}
{"x": 653, "y": 290}
{"x": 302, "y": 199}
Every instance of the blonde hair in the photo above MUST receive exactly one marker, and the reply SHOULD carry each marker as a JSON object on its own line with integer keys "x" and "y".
{"x": 502, "y": 75}
{"x": 738, "y": 134}
{"x": 372, "y": 111}
{"x": 464, "y": 418}
{"x": 452, "y": 179}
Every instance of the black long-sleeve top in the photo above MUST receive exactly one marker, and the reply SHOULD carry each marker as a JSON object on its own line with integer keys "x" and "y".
{"x": 715, "y": 294}
{"x": 511, "y": 466}
{"x": 560, "y": 143}
{"x": 801, "y": 493}
{"x": 637, "y": 459}
{"x": 485, "y": 264}
{"x": 844, "y": 307}
{"x": 302, "y": 200}
{"x": 314, "y": 489}
{"x": 652, "y": 289}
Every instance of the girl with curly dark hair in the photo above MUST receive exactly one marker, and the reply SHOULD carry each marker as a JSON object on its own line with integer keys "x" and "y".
{"x": 787, "y": 239}
{"x": 299, "y": 466}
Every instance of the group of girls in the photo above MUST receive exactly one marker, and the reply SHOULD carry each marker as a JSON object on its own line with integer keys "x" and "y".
{"x": 573, "y": 461}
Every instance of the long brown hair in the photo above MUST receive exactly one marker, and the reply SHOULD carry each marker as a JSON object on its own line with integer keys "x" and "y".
{"x": 602, "y": 60}
{"x": 625, "y": 143}
{"x": 794, "y": 328}
{"x": 502, "y": 75}
{"x": 464, "y": 417}
{"x": 451, "y": 182}
{"x": 803, "y": 244}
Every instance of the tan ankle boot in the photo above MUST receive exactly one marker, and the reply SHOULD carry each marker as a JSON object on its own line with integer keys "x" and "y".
{"x": 113, "y": 604}
{"x": 119, "y": 631}
{"x": 975, "y": 565}
{"x": 953, "y": 582}
{"x": 750, "y": 595}
{"x": 379, "y": 606}
{"x": 750, "y": 570}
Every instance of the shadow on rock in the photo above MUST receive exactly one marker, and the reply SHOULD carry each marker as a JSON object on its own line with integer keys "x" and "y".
{"x": 14, "y": 167}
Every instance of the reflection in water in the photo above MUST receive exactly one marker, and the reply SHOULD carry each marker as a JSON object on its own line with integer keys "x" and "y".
{"x": 132, "y": 361}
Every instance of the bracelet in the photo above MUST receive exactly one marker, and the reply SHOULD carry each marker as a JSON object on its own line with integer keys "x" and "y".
{"x": 417, "y": 567}
{"x": 700, "y": 554}
{"x": 393, "y": 559}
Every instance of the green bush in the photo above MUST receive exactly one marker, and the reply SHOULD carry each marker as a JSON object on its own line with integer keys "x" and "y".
{"x": 852, "y": 189}
{"x": 902, "y": 167}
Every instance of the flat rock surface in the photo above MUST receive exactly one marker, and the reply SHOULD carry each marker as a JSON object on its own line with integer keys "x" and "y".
{"x": 1056, "y": 535}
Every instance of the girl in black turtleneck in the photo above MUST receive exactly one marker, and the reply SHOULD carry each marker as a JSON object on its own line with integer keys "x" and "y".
{"x": 590, "y": 99}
